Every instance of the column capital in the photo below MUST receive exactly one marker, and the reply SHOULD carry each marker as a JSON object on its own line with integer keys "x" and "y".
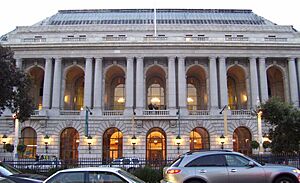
{"x": 98, "y": 59}
{"x": 212, "y": 57}
{"x": 88, "y": 58}
{"x": 222, "y": 58}
{"x": 57, "y": 59}
{"x": 171, "y": 58}
{"x": 139, "y": 58}
{"x": 290, "y": 59}
{"x": 262, "y": 58}
{"x": 252, "y": 58}
{"x": 130, "y": 59}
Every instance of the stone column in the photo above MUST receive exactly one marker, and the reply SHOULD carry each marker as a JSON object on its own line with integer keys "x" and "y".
{"x": 171, "y": 85}
{"x": 298, "y": 68}
{"x": 223, "y": 82}
{"x": 253, "y": 82}
{"x": 98, "y": 87}
{"x": 140, "y": 85}
{"x": 19, "y": 63}
{"x": 57, "y": 85}
{"x": 129, "y": 87}
{"x": 293, "y": 82}
{"x": 263, "y": 80}
{"x": 213, "y": 85}
{"x": 47, "y": 84}
{"x": 88, "y": 79}
{"x": 182, "y": 96}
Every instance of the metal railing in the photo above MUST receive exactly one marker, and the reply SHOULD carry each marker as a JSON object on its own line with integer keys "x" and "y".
{"x": 156, "y": 112}
{"x": 69, "y": 112}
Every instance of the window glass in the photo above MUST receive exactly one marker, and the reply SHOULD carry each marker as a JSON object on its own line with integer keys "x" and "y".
{"x": 210, "y": 160}
{"x": 70, "y": 177}
{"x": 104, "y": 177}
{"x": 235, "y": 160}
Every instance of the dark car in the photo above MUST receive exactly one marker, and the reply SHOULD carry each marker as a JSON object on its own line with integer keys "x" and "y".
{"x": 17, "y": 176}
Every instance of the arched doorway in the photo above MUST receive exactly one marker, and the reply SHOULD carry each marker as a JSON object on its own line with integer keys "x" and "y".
{"x": 199, "y": 139}
{"x": 156, "y": 146}
{"x": 69, "y": 142}
{"x": 36, "y": 91}
{"x": 241, "y": 140}
{"x": 29, "y": 138}
{"x": 112, "y": 144}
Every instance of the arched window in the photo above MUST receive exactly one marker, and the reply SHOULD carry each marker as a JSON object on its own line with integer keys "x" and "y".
{"x": 241, "y": 140}
{"x": 199, "y": 139}
{"x": 275, "y": 83}
{"x": 119, "y": 94}
{"x": 112, "y": 144}
{"x": 36, "y": 92}
{"x": 237, "y": 92}
{"x": 74, "y": 89}
{"x": 69, "y": 142}
{"x": 196, "y": 89}
{"x": 29, "y": 138}
{"x": 156, "y": 96}
{"x": 156, "y": 146}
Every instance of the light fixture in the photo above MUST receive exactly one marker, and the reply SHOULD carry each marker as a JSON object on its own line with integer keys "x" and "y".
{"x": 46, "y": 141}
{"x": 155, "y": 100}
{"x": 222, "y": 140}
{"x": 4, "y": 141}
{"x": 190, "y": 100}
{"x": 155, "y": 141}
{"x": 121, "y": 100}
{"x": 133, "y": 142}
{"x": 178, "y": 142}
{"x": 89, "y": 141}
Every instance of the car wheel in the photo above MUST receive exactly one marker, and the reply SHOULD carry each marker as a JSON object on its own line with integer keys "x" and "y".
{"x": 195, "y": 181}
{"x": 284, "y": 180}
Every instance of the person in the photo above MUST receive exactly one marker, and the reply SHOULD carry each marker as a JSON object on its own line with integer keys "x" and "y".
{"x": 37, "y": 157}
{"x": 150, "y": 106}
{"x": 155, "y": 107}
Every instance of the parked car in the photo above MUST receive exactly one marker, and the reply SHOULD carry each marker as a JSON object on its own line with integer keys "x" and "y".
{"x": 129, "y": 164}
{"x": 15, "y": 175}
{"x": 226, "y": 167}
{"x": 45, "y": 165}
{"x": 93, "y": 175}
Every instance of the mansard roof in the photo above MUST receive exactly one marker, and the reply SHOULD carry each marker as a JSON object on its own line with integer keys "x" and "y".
{"x": 163, "y": 16}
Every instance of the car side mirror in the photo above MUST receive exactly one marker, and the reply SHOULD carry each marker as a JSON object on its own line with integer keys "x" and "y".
{"x": 251, "y": 164}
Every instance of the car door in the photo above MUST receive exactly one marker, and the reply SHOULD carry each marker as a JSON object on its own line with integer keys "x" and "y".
{"x": 104, "y": 177}
{"x": 211, "y": 168}
{"x": 240, "y": 171}
{"x": 68, "y": 177}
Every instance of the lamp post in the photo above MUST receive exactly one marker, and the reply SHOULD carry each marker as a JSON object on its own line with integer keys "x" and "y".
{"x": 178, "y": 142}
{"x": 87, "y": 113}
{"x": 89, "y": 141}
{"x": 4, "y": 140}
{"x": 133, "y": 142}
{"x": 222, "y": 140}
{"x": 46, "y": 141}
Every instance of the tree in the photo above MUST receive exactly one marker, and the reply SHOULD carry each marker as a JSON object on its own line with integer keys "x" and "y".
{"x": 285, "y": 125}
{"x": 14, "y": 87}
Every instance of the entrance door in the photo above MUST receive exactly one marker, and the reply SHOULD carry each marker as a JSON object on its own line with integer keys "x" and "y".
{"x": 156, "y": 146}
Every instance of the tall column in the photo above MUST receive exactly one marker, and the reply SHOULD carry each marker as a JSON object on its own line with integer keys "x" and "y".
{"x": 298, "y": 68}
{"x": 129, "y": 87}
{"x": 213, "y": 85}
{"x": 140, "y": 94}
{"x": 223, "y": 82}
{"x": 56, "y": 84}
{"x": 19, "y": 63}
{"x": 98, "y": 87}
{"x": 182, "y": 96}
{"x": 263, "y": 80}
{"x": 47, "y": 84}
{"x": 253, "y": 82}
{"x": 88, "y": 79}
{"x": 171, "y": 84}
{"x": 293, "y": 82}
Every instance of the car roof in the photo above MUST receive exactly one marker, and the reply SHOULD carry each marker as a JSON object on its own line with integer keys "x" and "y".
{"x": 108, "y": 169}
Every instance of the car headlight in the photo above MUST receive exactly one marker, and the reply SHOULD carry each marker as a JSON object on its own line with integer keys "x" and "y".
{"x": 296, "y": 171}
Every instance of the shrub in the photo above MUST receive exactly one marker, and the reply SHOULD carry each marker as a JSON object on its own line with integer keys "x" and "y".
{"x": 149, "y": 174}
{"x": 21, "y": 148}
{"x": 266, "y": 144}
{"x": 254, "y": 144}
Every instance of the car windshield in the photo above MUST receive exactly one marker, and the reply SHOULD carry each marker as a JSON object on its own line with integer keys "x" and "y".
{"x": 130, "y": 176}
{"x": 8, "y": 170}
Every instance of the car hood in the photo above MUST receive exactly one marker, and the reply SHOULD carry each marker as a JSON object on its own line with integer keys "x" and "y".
{"x": 31, "y": 176}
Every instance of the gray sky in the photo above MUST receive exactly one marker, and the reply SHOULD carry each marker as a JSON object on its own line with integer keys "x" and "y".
{"x": 27, "y": 12}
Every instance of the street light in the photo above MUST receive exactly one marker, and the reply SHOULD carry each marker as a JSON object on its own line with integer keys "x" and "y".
{"x": 4, "y": 141}
{"x": 89, "y": 141}
{"x": 133, "y": 142}
{"x": 46, "y": 141}
{"x": 178, "y": 142}
{"x": 222, "y": 140}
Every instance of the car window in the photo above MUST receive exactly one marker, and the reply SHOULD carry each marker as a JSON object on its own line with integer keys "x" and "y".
{"x": 236, "y": 160}
{"x": 209, "y": 160}
{"x": 104, "y": 177}
{"x": 135, "y": 161}
{"x": 9, "y": 170}
{"x": 126, "y": 161}
{"x": 176, "y": 162}
{"x": 68, "y": 177}
{"x": 130, "y": 176}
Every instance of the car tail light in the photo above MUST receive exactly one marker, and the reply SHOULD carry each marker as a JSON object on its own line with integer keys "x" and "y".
{"x": 173, "y": 171}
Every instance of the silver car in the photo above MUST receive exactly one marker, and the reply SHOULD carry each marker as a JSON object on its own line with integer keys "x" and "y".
{"x": 226, "y": 167}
